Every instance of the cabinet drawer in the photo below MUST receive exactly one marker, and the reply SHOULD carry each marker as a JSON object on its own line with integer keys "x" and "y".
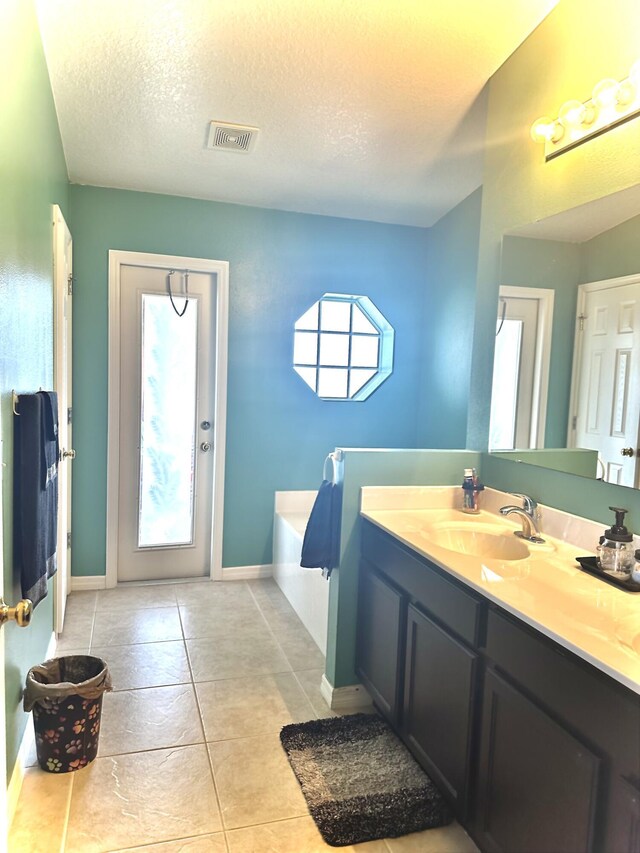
{"x": 570, "y": 688}
{"x": 459, "y": 610}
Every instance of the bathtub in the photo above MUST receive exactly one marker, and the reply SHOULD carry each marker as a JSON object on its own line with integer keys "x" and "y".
{"x": 305, "y": 589}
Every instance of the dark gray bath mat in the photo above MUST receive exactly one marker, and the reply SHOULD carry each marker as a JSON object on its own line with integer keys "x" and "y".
{"x": 360, "y": 781}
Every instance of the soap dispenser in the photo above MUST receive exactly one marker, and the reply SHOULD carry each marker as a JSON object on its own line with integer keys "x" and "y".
{"x": 616, "y": 552}
{"x": 471, "y": 488}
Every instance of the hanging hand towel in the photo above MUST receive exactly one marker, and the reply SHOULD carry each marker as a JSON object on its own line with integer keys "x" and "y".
{"x": 36, "y": 492}
{"x": 321, "y": 538}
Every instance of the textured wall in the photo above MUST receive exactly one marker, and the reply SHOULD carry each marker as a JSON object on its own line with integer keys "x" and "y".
{"x": 612, "y": 254}
{"x": 32, "y": 178}
{"x": 562, "y": 59}
{"x": 547, "y": 263}
{"x": 453, "y": 267}
{"x": 278, "y": 432}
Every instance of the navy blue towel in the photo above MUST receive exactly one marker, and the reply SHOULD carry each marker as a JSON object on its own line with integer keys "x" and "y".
{"x": 36, "y": 492}
{"x": 322, "y": 536}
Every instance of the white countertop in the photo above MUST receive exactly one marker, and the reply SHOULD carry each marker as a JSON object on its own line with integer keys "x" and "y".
{"x": 545, "y": 588}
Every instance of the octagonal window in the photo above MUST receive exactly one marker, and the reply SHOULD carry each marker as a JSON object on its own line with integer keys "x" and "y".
{"x": 343, "y": 347}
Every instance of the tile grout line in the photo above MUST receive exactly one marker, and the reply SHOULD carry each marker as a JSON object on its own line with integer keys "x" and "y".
{"x": 293, "y": 671}
{"x": 204, "y": 734}
{"x": 270, "y": 629}
{"x": 65, "y": 827}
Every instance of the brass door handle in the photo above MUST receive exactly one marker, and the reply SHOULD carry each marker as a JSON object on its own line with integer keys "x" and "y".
{"x": 68, "y": 454}
{"x": 20, "y": 614}
{"x": 627, "y": 451}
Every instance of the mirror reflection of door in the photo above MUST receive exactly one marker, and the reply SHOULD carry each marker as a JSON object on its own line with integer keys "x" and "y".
{"x": 606, "y": 393}
{"x": 520, "y": 368}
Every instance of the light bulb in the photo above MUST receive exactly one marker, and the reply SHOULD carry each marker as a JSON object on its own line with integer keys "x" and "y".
{"x": 627, "y": 91}
{"x": 605, "y": 94}
{"x": 546, "y": 129}
{"x": 574, "y": 114}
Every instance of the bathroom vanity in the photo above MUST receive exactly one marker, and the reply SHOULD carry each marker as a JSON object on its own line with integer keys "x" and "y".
{"x": 501, "y": 684}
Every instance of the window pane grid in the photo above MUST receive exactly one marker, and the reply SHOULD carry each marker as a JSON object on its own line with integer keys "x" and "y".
{"x": 348, "y": 348}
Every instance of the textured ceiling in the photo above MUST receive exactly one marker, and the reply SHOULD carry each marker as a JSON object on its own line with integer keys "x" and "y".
{"x": 367, "y": 108}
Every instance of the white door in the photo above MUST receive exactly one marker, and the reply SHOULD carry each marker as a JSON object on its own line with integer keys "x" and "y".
{"x": 606, "y": 412}
{"x": 167, "y": 370}
{"x": 63, "y": 286}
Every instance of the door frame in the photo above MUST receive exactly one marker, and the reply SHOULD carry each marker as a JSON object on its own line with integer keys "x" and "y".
{"x": 220, "y": 269}
{"x": 544, "y": 335}
{"x": 62, "y": 379}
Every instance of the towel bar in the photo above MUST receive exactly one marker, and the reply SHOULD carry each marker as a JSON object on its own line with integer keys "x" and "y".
{"x": 335, "y": 459}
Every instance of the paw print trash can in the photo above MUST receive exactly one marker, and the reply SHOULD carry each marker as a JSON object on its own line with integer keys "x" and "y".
{"x": 65, "y": 695}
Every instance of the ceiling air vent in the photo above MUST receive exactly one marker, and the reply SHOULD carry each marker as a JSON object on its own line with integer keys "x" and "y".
{"x": 232, "y": 137}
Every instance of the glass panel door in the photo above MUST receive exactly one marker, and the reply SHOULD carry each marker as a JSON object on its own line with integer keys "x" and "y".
{"x": 166, "y": 452}
{"x": 167, "y": 423}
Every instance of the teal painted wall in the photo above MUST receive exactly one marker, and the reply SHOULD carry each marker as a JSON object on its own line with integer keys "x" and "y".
{"x": 32, "y": 178}
{"x": 572, "y": 461}
{"x": 448, "y": 331}
{"x": 556, "y": 266}
{"x": 375, "y": 468}
{"x": 278, "y": 432}
{"x": 561, "y": 60}
{"x": 581, "y": 496}
{"x": 612, "y": 254}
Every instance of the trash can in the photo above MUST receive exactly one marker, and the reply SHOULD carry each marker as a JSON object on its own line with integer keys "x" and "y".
{"x": 65, "y": 695}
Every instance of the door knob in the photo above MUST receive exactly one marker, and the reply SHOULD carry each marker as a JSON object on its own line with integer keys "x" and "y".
{"x": 205, "y": 447}
{"x": 68, "y": 454}
{"x": 20, "y": 614}
{"x": 627, "y": 451}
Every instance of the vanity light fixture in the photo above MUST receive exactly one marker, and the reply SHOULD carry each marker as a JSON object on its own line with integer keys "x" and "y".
{"x": 611, "y": 104}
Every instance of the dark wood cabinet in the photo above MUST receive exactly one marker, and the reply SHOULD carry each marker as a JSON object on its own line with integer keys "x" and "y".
{"x": 624, "y": 816}
{"x": 381, "y": 625}
{"x": 439, "y": 697}
{"x": 535, "y": 749}
{"x": 538, "y": 785}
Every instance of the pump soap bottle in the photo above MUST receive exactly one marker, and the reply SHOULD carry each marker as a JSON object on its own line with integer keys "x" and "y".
{"x": 471, "y": 488}
{"x": 616, "y": 552}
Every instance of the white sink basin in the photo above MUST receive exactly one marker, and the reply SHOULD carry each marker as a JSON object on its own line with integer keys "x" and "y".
{"x": 477, "y": 540}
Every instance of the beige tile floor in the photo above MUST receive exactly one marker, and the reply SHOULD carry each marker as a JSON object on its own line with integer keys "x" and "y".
{"x": 205, "y": 675}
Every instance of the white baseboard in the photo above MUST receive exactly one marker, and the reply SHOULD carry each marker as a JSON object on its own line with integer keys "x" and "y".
{"x": 246, "y": 573}
{"x": 88, "y": 582}
{"x": 345, "y": 700}
{"x": 232, "y": 573}
{"x": 26, "y": 746}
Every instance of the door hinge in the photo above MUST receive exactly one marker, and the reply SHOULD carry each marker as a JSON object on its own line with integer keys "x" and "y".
{"x": 574, "y": 422}
{"x": 581, "y": 319}
{"x": 70, "y": 415}
{"x": 69, "y": 539}
{"x": 70, "y": 285}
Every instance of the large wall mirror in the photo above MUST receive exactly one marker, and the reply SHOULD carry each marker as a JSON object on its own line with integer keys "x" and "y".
{"x": 566, "y": 386}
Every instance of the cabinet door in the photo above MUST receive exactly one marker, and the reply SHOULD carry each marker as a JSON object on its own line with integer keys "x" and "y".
{"x": 439, "y": 695}
{"x": 623, "y": 819}
{"x": 381, "y": 616}
{"x": 537, "y": 783}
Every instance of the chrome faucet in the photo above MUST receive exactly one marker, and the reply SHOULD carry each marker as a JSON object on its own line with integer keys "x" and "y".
{"x": 529, "y": 517}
